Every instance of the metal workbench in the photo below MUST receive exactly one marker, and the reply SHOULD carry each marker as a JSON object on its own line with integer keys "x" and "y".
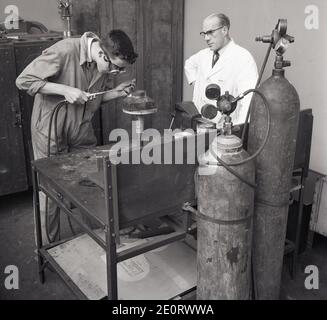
{"x": 130, "y": 195}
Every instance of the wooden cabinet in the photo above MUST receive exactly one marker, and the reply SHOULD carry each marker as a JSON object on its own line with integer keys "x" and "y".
{"x": 12, "y": 156}
{"x": 15, "y": 115}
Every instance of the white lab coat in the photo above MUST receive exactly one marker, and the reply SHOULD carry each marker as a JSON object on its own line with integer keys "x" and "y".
{"x": 235, "y": 71}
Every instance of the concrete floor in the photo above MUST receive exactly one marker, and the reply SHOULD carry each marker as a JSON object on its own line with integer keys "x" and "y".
{"x": 17, "y": 247}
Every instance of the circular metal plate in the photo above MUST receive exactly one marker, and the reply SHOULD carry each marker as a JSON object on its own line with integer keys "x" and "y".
{"x": 141, "y": 112}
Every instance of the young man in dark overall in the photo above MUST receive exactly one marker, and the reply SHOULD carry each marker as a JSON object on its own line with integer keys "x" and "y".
{"x": 71, "y": 69}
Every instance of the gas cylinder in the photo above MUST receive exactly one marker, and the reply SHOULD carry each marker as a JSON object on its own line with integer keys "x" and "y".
{"x": 273, "y": 177}
{"x": 224, "y": 222}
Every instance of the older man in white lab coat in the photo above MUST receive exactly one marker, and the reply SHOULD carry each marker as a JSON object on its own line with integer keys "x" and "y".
{"x": 224, "y": 63}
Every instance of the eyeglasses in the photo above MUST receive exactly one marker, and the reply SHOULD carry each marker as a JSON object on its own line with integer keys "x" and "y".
{"x": 114, "y": 69}
{"x": 209, "y": 32}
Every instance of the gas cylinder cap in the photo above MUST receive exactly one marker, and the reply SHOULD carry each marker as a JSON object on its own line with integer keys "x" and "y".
{"x": 278, "y": 73}
{"x": 229, "y": 142}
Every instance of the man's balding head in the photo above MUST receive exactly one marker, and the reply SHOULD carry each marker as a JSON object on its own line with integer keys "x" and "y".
{"x": 220, "y": 18}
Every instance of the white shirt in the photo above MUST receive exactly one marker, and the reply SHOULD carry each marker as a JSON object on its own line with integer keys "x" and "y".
{"x": 235, "y": 71}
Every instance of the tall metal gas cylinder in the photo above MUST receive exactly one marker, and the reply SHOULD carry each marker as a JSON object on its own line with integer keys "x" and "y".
{"x": 224, "y": 222}
{"x": 273, "y": 177}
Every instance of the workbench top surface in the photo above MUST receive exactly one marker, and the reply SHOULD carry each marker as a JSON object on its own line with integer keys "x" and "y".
{"x": 143, "y": 191}
{"x": 69, "y": 174}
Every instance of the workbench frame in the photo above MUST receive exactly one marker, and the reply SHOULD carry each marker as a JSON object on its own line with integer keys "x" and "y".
{"x": 110, "y": 227}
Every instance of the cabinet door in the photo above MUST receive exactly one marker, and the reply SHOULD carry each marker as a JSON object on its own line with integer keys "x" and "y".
{"x": 12, "y": 157}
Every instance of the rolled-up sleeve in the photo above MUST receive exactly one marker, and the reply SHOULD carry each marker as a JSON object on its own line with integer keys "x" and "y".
{"x": 191, "y": 68}
{"x": 36, "y": 74}
{"x": 246, "y": 80}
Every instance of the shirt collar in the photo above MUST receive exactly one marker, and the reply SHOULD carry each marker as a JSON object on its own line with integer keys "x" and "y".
{"x": 89, "y": 44}
{"x": 223, "y": 49}
{"x": 85, "y": 45}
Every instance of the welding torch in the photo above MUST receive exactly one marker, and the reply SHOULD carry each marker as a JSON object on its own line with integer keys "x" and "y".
{"x": 93, "y": 96}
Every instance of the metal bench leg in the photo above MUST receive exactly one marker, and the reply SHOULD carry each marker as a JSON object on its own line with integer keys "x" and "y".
{"x": 310, "y": 239}
{"x": 37, "y": 223}
{"x": 298, "y": 229}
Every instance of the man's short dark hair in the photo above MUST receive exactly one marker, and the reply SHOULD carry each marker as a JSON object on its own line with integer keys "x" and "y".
{"x": 119, "y": 44}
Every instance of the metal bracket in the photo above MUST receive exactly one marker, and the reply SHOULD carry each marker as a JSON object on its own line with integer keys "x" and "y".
{"x": 187, "y": 207}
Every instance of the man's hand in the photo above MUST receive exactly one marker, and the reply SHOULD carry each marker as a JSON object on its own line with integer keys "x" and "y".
{"x": 126, "y": 87}
{"x": 74, "y": 95}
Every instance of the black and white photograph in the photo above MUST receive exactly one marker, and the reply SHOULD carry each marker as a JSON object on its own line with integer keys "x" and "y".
{"x": 168, "y": 153}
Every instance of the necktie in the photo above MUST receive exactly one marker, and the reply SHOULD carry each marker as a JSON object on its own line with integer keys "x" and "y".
{"x": 215, "y": 58}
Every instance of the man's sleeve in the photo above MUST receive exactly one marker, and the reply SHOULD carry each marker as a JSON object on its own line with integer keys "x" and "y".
{"x": 36, "y": 74}
{"x": 247, "y": 79}
{"x": 191, "y": 68}
{"x": 108, "y": 84}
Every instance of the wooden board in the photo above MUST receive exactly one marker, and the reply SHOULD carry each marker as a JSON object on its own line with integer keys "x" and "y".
{"x": 318, "y": 221}
{"x": 159, "y": 274}
{"x": 156, "y": 30}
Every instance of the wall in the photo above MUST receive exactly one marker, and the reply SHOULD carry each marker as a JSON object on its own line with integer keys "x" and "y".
{"x": 308, "y": 54}
{"x": 44, "y": 11}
